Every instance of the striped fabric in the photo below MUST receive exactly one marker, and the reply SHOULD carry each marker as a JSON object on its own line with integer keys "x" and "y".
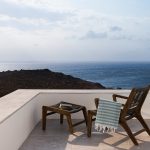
{"x": 107, "y": 117}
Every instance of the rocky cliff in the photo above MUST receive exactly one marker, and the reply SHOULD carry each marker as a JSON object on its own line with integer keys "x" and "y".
{"x": 41, "y": 79}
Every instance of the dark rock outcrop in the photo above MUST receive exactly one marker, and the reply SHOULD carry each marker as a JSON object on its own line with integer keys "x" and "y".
{"x": 41, "y": 79}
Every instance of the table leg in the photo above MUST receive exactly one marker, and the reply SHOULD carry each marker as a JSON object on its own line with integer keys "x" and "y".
{"x": 61, "y": 118}
{"x": 44, "y": 111}
{"x": 70, "y": 123}
{"x": 85, "y": 115}
{"x": 89, "y": 129}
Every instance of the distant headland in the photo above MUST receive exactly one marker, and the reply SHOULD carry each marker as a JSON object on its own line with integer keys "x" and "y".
{"x": 41, "y": 79}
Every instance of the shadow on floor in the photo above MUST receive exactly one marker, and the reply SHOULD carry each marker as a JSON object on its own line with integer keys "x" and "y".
{"x": 57, "y": 137}
{"x": 118, "y": 140}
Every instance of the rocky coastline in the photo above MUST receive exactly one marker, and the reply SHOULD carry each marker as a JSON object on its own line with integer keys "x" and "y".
{"x": 41, "y": 79}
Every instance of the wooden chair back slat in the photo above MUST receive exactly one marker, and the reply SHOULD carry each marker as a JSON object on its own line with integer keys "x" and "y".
{"x": 135, "y": 101}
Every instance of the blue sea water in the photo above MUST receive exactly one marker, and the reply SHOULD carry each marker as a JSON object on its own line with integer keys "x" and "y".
{"x": 114, "y": 75}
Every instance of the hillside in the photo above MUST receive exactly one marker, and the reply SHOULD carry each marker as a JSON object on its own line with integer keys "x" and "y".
{"x": 41, "y": 79}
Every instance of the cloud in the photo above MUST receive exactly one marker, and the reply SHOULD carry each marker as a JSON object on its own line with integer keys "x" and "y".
{"x": 115, "y": 28}
{"x": 29, "y": 23}
{"x": 36, "y": 27}
{"x": 121, "y": 37}
{"x": 49, "y": 5}
{"x": 94, "y": 35}
{"x": 34, "y": 14}
{"x": 24, "y": 20}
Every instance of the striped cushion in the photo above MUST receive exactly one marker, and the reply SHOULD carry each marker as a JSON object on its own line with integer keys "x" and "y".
{"x": 107, "y": 117}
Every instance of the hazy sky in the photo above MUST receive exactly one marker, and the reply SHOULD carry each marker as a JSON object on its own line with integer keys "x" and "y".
{"x": 74, "y": 30}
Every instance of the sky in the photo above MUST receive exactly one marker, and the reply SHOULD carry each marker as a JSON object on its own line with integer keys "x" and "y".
{"x": 74, "y": 30}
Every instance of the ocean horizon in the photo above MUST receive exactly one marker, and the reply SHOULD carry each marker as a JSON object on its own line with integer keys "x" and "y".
{"x": 111, "y": 74}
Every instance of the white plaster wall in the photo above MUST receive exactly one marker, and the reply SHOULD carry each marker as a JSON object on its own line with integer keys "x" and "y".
{"x": 20, "y": 116}
{"x": 86, "y": 99}
{"x": 77, "y": 98}
{"x": 15, "y": 129}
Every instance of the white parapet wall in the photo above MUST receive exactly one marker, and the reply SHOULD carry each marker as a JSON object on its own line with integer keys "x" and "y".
{"x": 20, "y": 111}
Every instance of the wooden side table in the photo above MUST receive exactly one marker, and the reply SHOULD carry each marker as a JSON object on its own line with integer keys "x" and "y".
{"x": 64, "y": 108}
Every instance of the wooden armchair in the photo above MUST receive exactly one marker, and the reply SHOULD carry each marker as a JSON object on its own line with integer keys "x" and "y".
{"x": 131, "y": 108}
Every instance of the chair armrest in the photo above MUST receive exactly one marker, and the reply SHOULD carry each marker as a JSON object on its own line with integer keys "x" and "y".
{"x": 92, "y": 112}
{"x": 115, "y": 96}
{"x": 96, "y": 102}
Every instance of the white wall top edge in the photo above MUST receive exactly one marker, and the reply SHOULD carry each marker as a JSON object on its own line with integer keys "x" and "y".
{"x": 76, "y": 91}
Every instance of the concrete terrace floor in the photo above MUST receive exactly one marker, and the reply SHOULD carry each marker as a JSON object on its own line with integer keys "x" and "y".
{"x": 57, "y": 137}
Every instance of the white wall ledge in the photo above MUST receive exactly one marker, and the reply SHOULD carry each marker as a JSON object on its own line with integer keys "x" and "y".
{"x": 12, "y": 102}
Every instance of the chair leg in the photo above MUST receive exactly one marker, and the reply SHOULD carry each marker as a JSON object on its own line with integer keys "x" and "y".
{"x": 61, "y": 118}
{"x": 141, "y": 120}
{"x": 44, "y": 111}
{"x": 85, "y": 115}
{"x": 89, "y": 129}
{"x": 129, "y": 132}
{"x": 70, "y": 123}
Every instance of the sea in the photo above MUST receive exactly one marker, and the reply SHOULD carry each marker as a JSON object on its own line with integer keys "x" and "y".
{"x": 109, "y": 74}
